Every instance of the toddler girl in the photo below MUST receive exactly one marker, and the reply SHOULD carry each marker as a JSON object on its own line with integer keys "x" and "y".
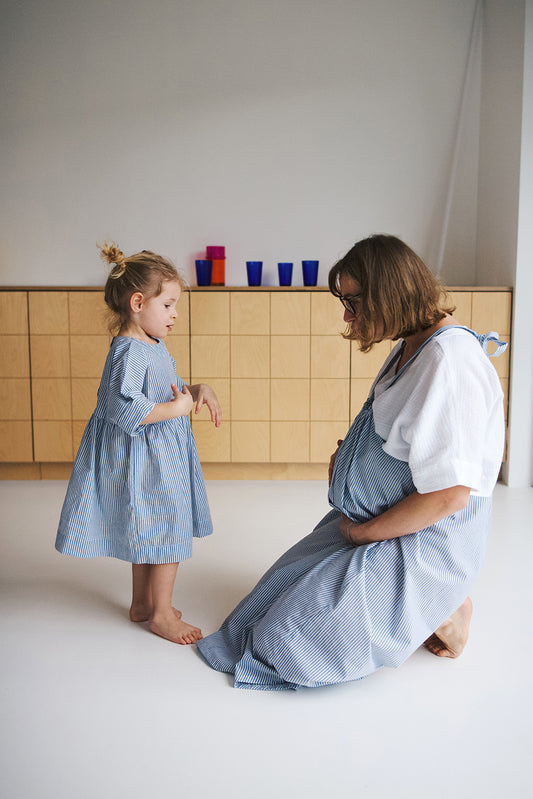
{"x": 137, "y": 491}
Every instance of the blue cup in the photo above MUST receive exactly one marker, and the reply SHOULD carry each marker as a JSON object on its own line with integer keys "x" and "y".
{"x": 253, "y": 270}
{"x": 203, "y": 272}
{"x": 285, "y": 273}
{"x": 310, "y": 272}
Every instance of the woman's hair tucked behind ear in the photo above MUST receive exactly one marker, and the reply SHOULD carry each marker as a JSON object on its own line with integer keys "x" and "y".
{"x": 145, "y": 272}
{"x": 398, "y": 292}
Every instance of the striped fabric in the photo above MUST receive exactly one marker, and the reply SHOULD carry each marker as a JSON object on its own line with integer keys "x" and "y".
{"x": 136, "y": 491}
{"x": 327, "y": 612}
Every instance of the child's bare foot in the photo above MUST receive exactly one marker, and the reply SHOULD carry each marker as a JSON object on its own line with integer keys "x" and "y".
{"x": 144, "y": 613}
{"x": 175, "y": 630}
{"x": 451, "y": 637}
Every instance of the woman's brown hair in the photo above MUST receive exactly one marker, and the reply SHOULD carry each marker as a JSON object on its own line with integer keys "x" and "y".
{"x": 397, "y": 290}
{"x": 144, "y": 272}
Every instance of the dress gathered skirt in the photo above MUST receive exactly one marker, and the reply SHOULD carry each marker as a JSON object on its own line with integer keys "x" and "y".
{"x": 137, "y": 491}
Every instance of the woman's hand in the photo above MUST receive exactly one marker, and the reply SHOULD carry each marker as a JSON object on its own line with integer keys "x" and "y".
{"x": 182, "y": 401}
{"x": 332, "y": 461}
{"x": 346, "y": 524}
{"x": 204, "y": 395}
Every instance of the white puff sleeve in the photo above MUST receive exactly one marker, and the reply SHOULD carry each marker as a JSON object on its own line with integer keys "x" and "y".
{"x": 444, "y": 417}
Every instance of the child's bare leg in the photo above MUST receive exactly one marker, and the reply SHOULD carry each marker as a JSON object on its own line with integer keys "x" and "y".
{"x": 141, "y": 600}
{"x": 141, "y": 603}
{"x": 164, "y": 621}
{"x": 451, "y": 637}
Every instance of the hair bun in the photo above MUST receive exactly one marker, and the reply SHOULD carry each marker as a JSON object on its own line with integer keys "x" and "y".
{"x": 114, "y": 255}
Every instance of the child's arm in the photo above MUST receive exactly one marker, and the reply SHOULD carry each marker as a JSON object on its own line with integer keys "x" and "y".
{"x": 203, "y": 393}
{"x": 181, "y": 405}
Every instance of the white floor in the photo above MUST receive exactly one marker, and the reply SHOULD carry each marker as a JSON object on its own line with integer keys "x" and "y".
{"x": 95, "y": 707}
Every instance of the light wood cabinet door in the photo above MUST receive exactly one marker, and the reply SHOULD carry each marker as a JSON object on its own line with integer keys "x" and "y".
{"x": 51, "y": 388}
{"x": 290, "y": 356}
{"x": 210, "y": 313}
{"x": 210, "y": 355}
{"x": 289, "y": 399}
{"x": 48, "y": 313}
{"x": 88, "y": 313}
{"x": 250, "y": 356}
{"x": 491, "y": 310}
{"x": 250, "y": 442}
{"x": 290, "y": 314}
{"x": 250, "y": 313}
{"x": 463, "y": 306}
{"x": 289, "y": 442}
{"x": 213, "y": 443}
{"x": 14, "y": 313}
{"x": 330, "y": 357}
{"x": 16, "y": 434}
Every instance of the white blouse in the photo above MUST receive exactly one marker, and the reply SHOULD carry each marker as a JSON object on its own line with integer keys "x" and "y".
{"x": 444, "y": 414}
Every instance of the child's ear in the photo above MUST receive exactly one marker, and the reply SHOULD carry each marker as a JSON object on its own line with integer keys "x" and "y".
{"x": 136, "y": 302}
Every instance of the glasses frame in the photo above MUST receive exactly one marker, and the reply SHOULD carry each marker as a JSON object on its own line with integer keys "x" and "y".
{"x": 349, "y": 303}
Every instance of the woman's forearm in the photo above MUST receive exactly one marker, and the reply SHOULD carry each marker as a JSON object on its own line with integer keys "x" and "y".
{"x": 411, "y": 514}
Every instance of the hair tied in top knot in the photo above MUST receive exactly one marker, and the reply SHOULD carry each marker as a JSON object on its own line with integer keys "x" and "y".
{"x": 113, "y": 255}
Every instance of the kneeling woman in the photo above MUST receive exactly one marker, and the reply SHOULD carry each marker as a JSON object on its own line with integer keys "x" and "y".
{"x": 391, "y": 566}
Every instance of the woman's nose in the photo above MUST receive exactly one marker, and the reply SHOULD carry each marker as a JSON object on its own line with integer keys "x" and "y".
{"x": 348, "y": 315}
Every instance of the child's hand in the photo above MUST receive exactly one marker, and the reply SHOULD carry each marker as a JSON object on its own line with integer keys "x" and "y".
{"x": 182, "y": 399}
{"x": 206, "y": 396}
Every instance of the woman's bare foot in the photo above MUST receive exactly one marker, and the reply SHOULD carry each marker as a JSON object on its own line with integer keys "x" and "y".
{"x": 451, "y": 637}
{"x": 175, "y": 630}
{"x": 144, "y": 612}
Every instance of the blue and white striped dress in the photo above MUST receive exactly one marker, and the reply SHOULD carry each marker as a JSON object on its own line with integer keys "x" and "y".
{"x": 327, "y": 612}
{"x": 137, "y": 491}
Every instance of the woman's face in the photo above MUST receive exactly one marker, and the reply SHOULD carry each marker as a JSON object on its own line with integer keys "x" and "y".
{"x": 352, "y": 301}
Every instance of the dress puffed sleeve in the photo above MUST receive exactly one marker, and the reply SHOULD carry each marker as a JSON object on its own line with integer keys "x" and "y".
{"x": 446, "y": 419}
{"x": 127, "y": 404}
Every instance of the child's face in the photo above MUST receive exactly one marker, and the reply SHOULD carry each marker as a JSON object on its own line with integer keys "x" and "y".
{"x": 158, "y": 314}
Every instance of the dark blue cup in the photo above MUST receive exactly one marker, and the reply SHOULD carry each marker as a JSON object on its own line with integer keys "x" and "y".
{"x": 310, "y": 271}
{"x": 203, "y": 272}
{"x": 285, "y": 273}
{"x": 253, "y": 270}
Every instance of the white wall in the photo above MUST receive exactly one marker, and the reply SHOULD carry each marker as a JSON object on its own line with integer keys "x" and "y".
{"x": 285, "y": 130}
{"x": 519, "y": 468}
{"x": 500, "y": 141}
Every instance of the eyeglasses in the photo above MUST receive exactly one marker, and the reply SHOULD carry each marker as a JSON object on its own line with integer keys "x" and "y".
{"x": 350, "y": 303}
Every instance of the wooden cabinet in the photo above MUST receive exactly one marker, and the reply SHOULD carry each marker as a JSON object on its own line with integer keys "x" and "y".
{"x": 287, "y": 382}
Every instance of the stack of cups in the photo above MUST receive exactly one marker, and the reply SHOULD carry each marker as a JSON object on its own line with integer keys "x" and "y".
{"x": 217, "y": 256}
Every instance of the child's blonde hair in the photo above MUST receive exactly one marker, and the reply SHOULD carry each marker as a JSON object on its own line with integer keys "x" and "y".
{"x": 144, "y": 272}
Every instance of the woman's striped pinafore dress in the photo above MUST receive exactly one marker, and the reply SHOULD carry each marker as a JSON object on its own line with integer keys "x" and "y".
{"x": 327, "y": 612}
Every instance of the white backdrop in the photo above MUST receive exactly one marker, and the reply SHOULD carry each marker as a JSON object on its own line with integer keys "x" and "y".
{"x": 282, "y": 130}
